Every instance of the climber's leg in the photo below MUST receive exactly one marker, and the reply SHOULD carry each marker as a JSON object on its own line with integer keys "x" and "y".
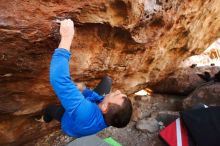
{"x": 53, "y": 112}
{"x": 104, "y": 86}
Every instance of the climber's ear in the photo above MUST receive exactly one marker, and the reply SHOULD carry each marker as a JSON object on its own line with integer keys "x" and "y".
{"x": 104, "y": 108}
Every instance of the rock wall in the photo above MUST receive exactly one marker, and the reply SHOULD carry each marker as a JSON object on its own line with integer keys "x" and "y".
{"x": 184, "y": 80}
{"x": 136, "y": 42}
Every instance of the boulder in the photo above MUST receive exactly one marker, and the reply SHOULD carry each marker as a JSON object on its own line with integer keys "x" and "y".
{"x": 166, "y": 117}
{"x": 149, "y": 125}
{"x": 208, "y": 94}
{"x": 184, "y": 80}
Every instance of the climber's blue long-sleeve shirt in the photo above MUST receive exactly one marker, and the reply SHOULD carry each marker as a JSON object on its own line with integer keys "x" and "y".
{"x": 82, "y": 115}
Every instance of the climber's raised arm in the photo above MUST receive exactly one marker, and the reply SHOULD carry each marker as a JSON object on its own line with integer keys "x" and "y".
{"x": 60, "y": 79}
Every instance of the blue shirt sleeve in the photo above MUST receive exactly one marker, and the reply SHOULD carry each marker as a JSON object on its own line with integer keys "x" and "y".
{"x": 92, "y": 96}
{"x": 67, "y": 92}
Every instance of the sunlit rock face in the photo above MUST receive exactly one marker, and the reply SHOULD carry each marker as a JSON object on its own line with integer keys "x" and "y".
{"x": 211, "y": 56}
{"x": 135, "y": 42}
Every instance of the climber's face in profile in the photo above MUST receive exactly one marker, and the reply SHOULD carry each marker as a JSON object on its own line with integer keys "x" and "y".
{"x": 113, "y": 98}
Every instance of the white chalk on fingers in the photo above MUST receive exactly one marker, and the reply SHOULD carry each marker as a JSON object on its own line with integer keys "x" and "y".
{"x": 58, "y": 21}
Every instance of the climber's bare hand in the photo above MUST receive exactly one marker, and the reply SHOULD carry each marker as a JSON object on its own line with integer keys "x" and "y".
{"x": 67, "y": 33}
{"x": 67, "y": 28}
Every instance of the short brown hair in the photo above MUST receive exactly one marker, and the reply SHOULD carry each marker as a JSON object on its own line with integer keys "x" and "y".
{"x": 119, "y": 116}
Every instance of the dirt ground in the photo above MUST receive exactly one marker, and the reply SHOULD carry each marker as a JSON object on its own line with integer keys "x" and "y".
{"x": 128, "y": 136}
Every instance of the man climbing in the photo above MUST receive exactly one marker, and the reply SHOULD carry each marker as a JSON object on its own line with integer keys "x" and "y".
{"x": 85, "y": 113}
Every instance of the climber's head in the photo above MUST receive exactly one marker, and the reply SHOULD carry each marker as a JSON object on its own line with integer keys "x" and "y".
{"x": 117, "y": 109}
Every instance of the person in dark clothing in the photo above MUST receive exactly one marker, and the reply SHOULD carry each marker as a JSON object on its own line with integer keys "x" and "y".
{"x": 198, "y": 126}
{"x": 87, "y": 112}
{"x": 203, "y": 125}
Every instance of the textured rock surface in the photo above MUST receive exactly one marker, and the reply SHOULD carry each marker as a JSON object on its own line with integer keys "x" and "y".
{"x": 184, "y": 80}
{"x": 145, "y": 108}
{"x": 150, "y": 125}
{"x": 166, "y": 117}
{"x": 136, "y": 42}
{"x": 207, "y": 94}
{"x": 56, "y": 138}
